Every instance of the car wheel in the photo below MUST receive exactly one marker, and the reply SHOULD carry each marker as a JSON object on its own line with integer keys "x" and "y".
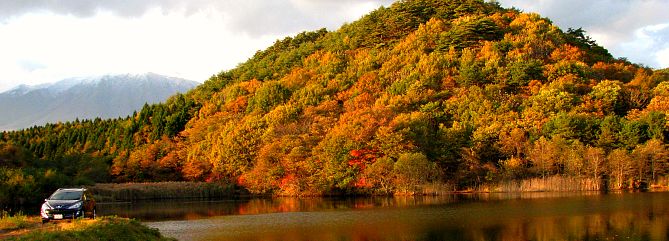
{"x": 45, "y": 221}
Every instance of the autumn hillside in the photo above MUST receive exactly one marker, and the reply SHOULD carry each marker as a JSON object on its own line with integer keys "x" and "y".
{"x": 454, "y": 92}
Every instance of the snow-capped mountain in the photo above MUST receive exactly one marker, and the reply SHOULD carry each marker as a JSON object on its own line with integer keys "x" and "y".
{"x": 108, "y": 96}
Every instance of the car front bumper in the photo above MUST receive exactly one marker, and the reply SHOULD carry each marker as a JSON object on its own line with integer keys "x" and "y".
{"x": 57, "y": 214}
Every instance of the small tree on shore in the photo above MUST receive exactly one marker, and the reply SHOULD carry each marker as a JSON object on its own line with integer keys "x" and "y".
{"x": 412, "y": 170}
{"x": 620, "y": 167}
{"x": 595, "y": 159}
{"x": 652, "y": 160}
{"x": 380, "y": 174}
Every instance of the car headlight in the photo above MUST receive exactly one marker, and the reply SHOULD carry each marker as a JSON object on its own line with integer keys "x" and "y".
{"x": 76, "y": 205}
{"x": 44, "y": 210}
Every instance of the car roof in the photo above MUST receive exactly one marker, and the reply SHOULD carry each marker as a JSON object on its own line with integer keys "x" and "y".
{"x": 71, "y": 189}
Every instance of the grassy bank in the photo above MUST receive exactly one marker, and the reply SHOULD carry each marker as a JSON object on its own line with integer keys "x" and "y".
{"x": 21, "y": 227}
{"x": 124, "y": 192}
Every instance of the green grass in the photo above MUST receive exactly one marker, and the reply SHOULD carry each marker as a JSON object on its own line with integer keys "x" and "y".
{"x": 104, "y": 228}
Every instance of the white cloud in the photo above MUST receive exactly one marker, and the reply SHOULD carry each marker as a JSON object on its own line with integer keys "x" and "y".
{"x": 663, "y": 57}
{"x": 45, "y": 41}
{"x": 256, "y": 17}
{"x": 650, "y": 43}
{"x": 41, "y": 48}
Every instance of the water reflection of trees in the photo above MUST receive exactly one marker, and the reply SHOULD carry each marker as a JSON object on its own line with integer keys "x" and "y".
{"x": 495, "y": 216}
{"x": 196, "y": 209}
{"x": 625, "y": 219}
{"x": 594, "y": 227}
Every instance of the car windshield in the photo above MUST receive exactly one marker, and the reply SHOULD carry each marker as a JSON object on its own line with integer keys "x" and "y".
{"x": 66, "y": 195}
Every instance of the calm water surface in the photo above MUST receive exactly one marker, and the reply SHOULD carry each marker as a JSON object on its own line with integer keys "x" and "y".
{"x": 530, "y": 216}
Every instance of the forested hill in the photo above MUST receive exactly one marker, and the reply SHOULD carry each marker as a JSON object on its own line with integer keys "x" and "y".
{"x": 461, "y": 92}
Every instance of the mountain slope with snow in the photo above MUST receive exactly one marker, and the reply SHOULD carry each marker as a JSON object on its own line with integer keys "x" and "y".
{"x": 108, "y": 96}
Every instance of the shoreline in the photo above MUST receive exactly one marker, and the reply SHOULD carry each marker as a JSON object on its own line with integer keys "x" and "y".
{"x": 132, "y": 192}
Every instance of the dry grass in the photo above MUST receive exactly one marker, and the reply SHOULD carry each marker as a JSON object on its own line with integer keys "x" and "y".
{"x": 548, "y": 184}
{"x": 662, "y": 183}
{"x": 11, "y": 223}
{"x": 115, "y": 192}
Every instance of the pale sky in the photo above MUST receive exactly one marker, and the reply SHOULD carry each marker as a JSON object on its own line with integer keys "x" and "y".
{"x": 44, "y": 41}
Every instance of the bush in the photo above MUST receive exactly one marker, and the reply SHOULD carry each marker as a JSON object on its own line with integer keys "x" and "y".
{"x": 412, "y": 170}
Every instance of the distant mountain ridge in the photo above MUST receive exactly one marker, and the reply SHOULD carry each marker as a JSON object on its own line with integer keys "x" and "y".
{"x": 108, "y": 96}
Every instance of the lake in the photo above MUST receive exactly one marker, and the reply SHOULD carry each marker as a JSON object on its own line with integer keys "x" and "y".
{"x": 519, "y": 216}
